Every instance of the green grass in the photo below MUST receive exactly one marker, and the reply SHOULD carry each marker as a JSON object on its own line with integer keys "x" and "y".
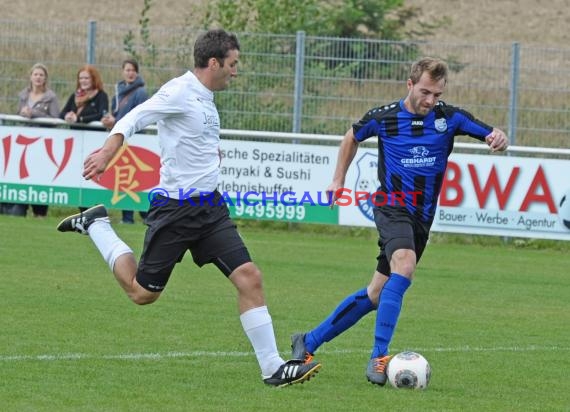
{"x": 492, "y": 319}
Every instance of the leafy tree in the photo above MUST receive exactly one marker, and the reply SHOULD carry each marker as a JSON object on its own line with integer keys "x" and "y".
{"x": 339, "y": 19}
{"x": 367, "y": 18}
{"x": 332, "y": 50}
{"x": 352, "y": 18}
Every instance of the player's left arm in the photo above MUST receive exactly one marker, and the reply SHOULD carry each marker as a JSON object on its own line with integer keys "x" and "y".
{"x": 469, "y": 125}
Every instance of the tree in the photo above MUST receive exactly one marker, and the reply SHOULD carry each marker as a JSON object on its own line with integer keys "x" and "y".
{"x": 352, "y": 18}
{"x": 339, "y": 19}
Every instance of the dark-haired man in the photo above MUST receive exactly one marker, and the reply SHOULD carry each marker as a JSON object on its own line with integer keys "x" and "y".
{"x": 189, "y": 136}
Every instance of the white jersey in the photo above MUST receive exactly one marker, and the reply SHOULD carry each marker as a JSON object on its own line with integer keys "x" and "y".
{"x": 188, "y": 131}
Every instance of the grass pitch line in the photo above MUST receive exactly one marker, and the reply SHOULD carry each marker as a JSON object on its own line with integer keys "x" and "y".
{"x": 194, "y": 354}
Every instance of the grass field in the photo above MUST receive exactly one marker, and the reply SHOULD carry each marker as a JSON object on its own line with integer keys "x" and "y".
{"x": 492, "y": 321}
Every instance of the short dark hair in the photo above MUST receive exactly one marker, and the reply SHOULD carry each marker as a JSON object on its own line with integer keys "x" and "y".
{"x": 214, "y": 43}
{"x": 132, "y": 62}
{"x": 437, "y": 69}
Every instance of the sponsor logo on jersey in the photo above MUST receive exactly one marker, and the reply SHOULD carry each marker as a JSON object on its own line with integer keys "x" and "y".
{"x": 419, "y": 157}
{"x": 419, "y": 151}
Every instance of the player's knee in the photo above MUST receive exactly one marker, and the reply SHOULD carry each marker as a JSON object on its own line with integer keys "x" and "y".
{"x": 403, "y": 262}
{"x": 143, "y": 298}
{"x": 252, "y": 277}
{"x": 406, "y": 269}
{"x": 247, "y": 276}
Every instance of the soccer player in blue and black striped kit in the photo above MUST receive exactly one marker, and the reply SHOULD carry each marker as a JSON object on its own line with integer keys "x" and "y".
{"x": 415, "y": 139}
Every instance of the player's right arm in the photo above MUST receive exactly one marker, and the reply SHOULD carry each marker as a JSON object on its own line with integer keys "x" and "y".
{"x": 347, "y": 151}
{"x": 96, "y": 163}
{"x": 169, "y": 100}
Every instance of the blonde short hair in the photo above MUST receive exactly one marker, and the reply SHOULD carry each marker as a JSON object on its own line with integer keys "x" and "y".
{"x": 437, "y": 69}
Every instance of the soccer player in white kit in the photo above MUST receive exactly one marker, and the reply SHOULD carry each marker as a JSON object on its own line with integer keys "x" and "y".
{"x": 183, "y": 219}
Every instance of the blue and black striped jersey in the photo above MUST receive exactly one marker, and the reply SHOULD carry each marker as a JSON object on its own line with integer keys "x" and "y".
{"x": 413, "y": 150}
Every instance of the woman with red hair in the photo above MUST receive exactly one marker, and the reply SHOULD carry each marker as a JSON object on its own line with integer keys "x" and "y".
{"x": 89, "y": 102}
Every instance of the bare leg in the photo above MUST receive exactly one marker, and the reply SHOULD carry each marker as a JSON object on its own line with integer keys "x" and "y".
{"x": 248, "y": 282}
{"x": 125, "y": 270}
{"x": 121, "y": 260}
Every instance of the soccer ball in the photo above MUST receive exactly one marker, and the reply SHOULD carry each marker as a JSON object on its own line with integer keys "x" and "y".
{"x": 564, "y": 209}
{"x": 409, "y": 370}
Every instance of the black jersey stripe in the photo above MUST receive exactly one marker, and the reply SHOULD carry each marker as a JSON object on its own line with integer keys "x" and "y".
{"x": 396, "y": 181}
{"x": 435, "y": 194}
{"x": 417, "y": 128}
{"x": 419, "y": 186}
{"x": 391, "y": 125}
{"x": 381, "y": 168}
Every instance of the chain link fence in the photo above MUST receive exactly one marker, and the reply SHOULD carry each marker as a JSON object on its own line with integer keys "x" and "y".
{"x": 305, "y": 84}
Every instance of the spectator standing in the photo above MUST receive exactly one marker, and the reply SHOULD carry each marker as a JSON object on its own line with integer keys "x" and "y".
{"x": 34, "y": 101}
{"x": 37, "y": 99}
{"x": 129, "y": 93}
{"x": 89, "y": 102}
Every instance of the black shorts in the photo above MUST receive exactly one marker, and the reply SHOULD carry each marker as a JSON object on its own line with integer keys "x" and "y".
{"x": 205, "y": 229}
{"x": 398, "y": 229}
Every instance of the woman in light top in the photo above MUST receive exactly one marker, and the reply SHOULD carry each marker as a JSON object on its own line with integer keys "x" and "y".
{"x": 37, "y": 99}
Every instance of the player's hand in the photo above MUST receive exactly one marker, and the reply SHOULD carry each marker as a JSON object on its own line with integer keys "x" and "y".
{"x": 332, "y": 191}
{"x": 94, "y": 165}
{"x": 497, "y": 140}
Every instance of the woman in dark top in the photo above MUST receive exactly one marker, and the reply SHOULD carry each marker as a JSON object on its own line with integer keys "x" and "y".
{"x": 89, "y": 102}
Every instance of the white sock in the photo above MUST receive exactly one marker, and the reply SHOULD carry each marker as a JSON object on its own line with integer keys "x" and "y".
{"x": 107, "y": 241}
{"x": 258, "y": 327}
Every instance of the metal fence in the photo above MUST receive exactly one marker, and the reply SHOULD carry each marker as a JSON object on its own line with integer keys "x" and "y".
{"x": 305, "y": 84}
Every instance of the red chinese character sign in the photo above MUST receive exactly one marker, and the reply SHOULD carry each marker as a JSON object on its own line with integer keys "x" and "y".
{"x": 133, "y": 169}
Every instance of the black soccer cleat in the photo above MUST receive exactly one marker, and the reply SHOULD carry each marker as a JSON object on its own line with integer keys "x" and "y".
{"x": 291, "y": 372}
{"x": 298, "y": 349}
{"x": 377, "y": 370}
{"x": 81, "y": 221}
